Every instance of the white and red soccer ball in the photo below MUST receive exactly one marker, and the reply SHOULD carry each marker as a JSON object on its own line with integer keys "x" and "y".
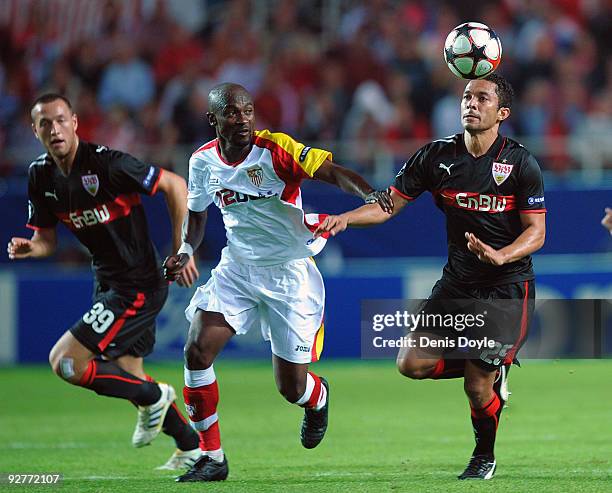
{"x": 472, "y": 50}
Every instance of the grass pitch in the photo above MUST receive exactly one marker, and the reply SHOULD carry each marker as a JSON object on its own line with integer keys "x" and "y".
{"x": 386, "y": 433}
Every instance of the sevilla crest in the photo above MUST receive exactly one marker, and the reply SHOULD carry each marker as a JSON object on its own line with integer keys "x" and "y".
{"x": 255, "y": 175}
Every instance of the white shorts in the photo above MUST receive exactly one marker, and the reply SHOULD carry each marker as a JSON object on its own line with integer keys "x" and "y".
{"x": 286, "y": 301}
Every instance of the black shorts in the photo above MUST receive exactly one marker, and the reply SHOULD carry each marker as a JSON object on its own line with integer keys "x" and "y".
{"x": 487, "y": 325}
{"x": 120, "y": 323}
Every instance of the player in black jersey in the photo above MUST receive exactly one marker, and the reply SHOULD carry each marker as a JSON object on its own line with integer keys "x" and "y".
{"x": 95, "y": 192}
{"x": 490, "y": 189}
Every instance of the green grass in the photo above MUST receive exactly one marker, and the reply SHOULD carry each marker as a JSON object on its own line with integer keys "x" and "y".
{"x": 386, "y": 433}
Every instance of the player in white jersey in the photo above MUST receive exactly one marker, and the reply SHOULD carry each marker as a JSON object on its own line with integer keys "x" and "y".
{"x": 266, "y": 277}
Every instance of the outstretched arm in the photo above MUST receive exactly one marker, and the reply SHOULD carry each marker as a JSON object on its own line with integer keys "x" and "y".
{"x": 366, "y": 215}
{"x": 530, "y": 240}
{"x": 193, "y": 234}
{"x": 175, "y": 192}
{"x": 351, "y": 182}
{"x": 42, "y": 244}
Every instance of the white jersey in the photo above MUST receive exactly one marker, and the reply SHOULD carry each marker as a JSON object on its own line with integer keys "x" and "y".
{"x": 260, "y": 198}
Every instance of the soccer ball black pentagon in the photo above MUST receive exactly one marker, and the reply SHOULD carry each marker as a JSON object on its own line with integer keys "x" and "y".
{"x": 472, "y": 50}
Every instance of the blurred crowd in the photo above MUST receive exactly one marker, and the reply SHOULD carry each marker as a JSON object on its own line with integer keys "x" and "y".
{"x": 368, "y": 73}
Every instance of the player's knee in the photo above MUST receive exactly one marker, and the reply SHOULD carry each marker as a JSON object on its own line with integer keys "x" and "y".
{"x": 412, "y": 369}
{"x": 54, "y": 361}
{"x": 197, "y": 358}
{"x": 66, "y": 367}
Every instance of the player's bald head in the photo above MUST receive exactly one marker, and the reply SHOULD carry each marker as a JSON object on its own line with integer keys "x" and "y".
{"x": 223, "y": 94}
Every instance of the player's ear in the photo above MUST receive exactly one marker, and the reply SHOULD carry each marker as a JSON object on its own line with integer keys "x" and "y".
{"x": 35, "y": 130}
{"x": 212, "y": 119}
{"x": 503, "y": 113}
{"x": 75, "y": 121}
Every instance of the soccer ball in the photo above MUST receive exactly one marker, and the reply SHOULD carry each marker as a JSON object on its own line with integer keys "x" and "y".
{"x": 472, "y": 50}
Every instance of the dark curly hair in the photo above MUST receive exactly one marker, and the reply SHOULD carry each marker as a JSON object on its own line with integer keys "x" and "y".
{"x": 504, "y": 91}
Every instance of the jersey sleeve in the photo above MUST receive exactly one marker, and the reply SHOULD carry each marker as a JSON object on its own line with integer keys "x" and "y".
{"x": 530, "y": 187}
{"x": 39, "y": 216}
{"x": 198, "y": 195}
{"x": 411, "y": 181}
{"x": 129, "y": 174}
{"x": 293, "y": 156}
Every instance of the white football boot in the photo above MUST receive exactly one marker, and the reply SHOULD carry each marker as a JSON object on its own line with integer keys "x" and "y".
{"x": 181, "y": 459}
{"x": 151, "y": 418}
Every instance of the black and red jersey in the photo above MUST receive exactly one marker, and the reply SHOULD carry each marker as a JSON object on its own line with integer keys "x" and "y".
{"x": 99, "y": 201}
{"x": 483, "y": 195}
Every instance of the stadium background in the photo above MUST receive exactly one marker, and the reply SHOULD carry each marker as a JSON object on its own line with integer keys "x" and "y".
{"x": 367, "y": 81}
{"x": 364, "y": 79}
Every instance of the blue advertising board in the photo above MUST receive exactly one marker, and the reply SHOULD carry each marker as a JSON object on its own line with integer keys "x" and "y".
{"x": 46, "y": 302}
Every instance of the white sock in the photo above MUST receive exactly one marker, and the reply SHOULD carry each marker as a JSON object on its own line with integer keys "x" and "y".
{"x": 199, "y": 378}
{"x": 322, "y": 398}
{"x": 310, "y": 383}
{"x": 216, "y": 455}
{"x": 308, "y": 391}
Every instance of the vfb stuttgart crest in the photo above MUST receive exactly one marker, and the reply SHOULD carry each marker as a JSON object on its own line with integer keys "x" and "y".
{"x": 501, "y": 172}
{"x": 91, "y": 184}
{"x": 255, "y": 175}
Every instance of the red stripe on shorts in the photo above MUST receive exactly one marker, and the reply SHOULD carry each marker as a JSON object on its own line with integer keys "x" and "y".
{"x": 523, "y": 332}
{"x": 116, "y": 327}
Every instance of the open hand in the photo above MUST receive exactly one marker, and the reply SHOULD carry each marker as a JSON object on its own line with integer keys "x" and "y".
{"x": 189, "y": 274}
{"x": 331, "y": 225}
{"x": 19, "y": 248}
{"x": 484, "y": 252}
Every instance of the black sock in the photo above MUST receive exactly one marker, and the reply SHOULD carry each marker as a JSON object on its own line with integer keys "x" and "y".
{"x": 176, "y": 426}
{"x": 484, "y": 422}
{"x": 448, "y": 368}
{"x": 106, "y": 378}
{"x": 185, "y": 437}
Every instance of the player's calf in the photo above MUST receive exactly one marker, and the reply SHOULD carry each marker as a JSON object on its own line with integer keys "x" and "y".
{"x": 198, "y": 357}
{"x": 485, "y": 409}
{"x": 201, "y": 394}
{"x": 479, "y": 392}
{"x": 291, "y": 390}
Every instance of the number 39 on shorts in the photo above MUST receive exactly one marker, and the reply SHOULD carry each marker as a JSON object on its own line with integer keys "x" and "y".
{"x": 99, "y": 318}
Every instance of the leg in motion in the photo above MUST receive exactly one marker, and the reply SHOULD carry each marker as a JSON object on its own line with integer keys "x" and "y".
{"x": 208, "y": 334}
{"x": 172, "y": 424}
{"x": 486, "y": 409}
{"x": 306, "y": 389}
{"x": 76, "y": 364}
